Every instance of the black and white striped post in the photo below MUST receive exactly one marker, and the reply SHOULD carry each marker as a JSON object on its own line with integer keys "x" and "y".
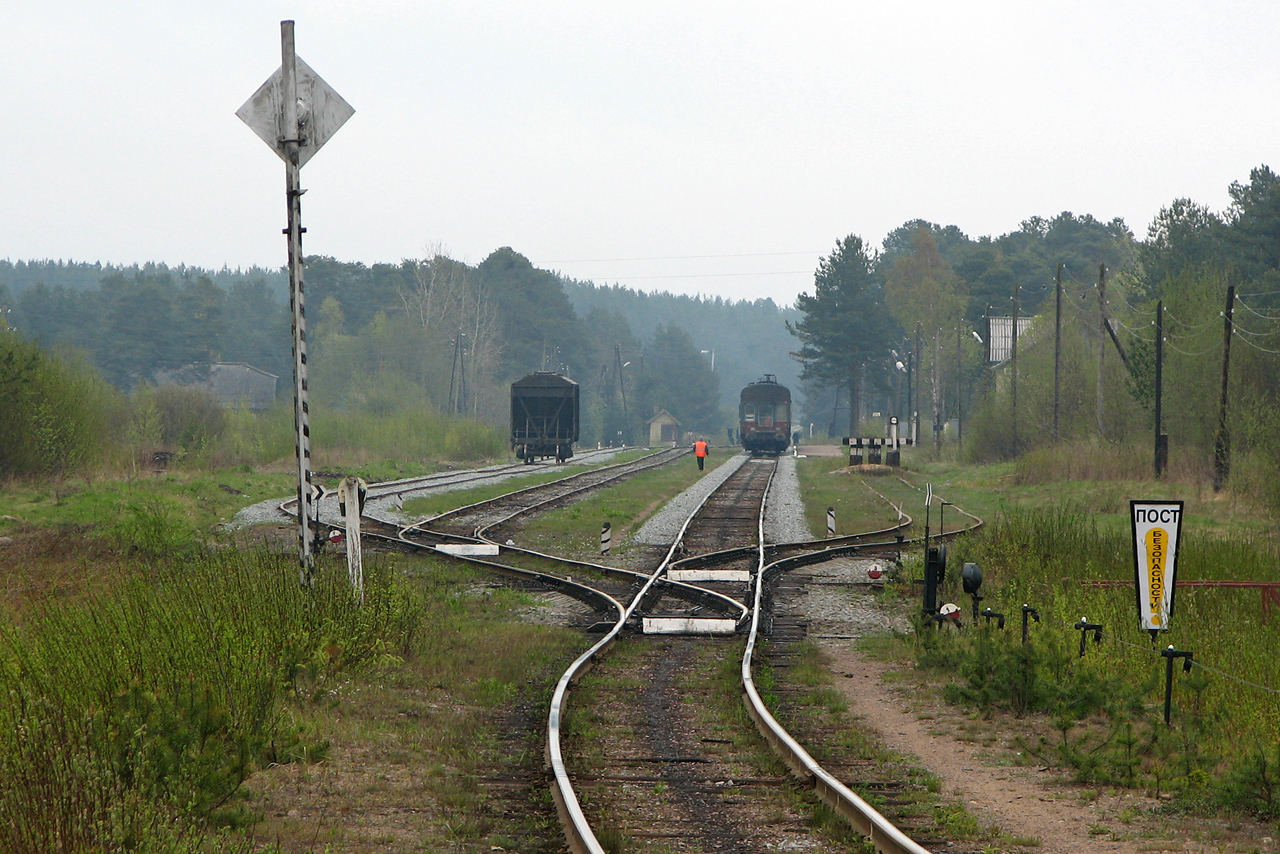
{"x": 606, "y": 534}
{"x": 831, "y": 521}
{"x": 295, "y": 112}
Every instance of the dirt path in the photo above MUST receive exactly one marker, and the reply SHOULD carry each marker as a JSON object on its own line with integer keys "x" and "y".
{"x": 1037, "y": 809}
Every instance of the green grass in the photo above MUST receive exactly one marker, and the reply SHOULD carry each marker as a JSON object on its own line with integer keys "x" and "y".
{"x": 201, "y": 500}
{"x": 574, "y": 530}
{"x": 159, "y": 696}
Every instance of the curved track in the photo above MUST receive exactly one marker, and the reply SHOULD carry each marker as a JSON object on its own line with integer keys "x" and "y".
{"x": 732, "y": 583}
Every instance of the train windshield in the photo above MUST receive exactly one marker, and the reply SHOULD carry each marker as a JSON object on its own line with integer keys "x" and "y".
{"x": 749, "y": 412}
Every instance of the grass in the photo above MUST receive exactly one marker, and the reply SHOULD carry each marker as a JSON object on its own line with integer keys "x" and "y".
{"x": 1042, "y": 539}
{"x": 574, "y": 530}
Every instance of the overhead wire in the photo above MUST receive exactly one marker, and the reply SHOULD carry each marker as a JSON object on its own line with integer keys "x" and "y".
{"x": 1255, "y": 312}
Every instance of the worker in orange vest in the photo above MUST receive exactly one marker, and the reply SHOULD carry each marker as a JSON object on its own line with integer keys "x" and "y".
{"x": 700, "y": 451}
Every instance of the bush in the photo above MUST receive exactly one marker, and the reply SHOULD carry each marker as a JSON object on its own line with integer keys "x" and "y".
{"x": 56, "y": 413}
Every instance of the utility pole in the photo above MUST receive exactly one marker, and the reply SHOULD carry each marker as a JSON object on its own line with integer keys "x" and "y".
{"x": 462, "y": 378}
{"x": 910, "y": 359}
{"x": 453, "y": 371}
{"x": 937, "y": 392}
{"x": 1013, "y": 364}
{"x": 915, "y": 411}
{"x": 959, "y": 392}
{"x": 1162, "y": 441}
{"x": 1057, "y": 350}
{"x": 626, "y": 425}
{"x": 1222, "y": 447}
{"x": 1102, "y": 337}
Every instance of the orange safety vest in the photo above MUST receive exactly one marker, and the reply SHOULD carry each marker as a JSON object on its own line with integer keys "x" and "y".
{"x": 700, "y": 448}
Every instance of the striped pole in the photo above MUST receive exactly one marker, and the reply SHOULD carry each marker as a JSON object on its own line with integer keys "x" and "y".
{"x": 293, "y": 193}
{"x": 606, "y": 534}
{"x": 831, "y": 521}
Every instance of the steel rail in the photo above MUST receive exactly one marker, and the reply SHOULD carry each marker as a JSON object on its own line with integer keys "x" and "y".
{"x": 777, "y": 549}
{"x": 884, "y": 836}
{"x": 578, "y": 832}
{"x": 387, "y": 488}
{"x": 629, "y": 467}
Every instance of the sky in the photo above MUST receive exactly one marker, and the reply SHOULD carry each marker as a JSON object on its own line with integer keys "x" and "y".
{"x": 714, "y": 148}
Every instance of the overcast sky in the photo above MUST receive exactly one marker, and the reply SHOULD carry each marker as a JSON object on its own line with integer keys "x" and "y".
{"x": 714, "y": 148}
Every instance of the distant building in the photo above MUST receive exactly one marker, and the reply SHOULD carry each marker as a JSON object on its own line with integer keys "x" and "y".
{"x": 663, "y": 428}
{"x": 232, "y": 384}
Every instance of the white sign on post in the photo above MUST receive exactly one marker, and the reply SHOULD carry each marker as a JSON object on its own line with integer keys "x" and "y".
{"x": 1156, "y": 525}
{"x": 321, "y": 111}
{"x": 295, "y": 113}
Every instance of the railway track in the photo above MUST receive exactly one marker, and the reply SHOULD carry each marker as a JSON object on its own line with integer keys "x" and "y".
{"x": 699, "y": 792}
{"x": 667, "y": 775}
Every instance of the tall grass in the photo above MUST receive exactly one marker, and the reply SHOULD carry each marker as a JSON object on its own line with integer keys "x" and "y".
{"x": 1226, "y": 712}
{"x": 129, "y": 722}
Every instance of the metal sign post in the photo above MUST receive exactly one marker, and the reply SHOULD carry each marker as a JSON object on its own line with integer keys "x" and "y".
{"x": 295, "y": 113}
{"x": 1156, "y": 525}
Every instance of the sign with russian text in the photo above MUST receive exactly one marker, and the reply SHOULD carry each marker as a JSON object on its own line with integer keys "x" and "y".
{"x": 1155, "y": 547}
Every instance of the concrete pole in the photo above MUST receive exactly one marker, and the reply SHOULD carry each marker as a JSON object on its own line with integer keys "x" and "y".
{"x": 1057, "y": 350}
{"x": 1222, "y": 446}
{"x": 1102, "y": 339}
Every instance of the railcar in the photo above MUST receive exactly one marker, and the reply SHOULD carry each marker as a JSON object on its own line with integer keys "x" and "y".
{"x": 764, "y": 417}
{"x": 544, "y": 416}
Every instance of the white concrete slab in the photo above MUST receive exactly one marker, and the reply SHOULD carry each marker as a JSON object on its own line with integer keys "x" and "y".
{"x": 709, "y": 575}
{"x": 468, "y": 549}
{"x": 688, "y": 626}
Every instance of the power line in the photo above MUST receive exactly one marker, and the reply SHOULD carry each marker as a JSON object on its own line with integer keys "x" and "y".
{"x": 1255, "y": 312}
{"x": 1175, "y": 349}
{"x": 709, "y": 275}
{"x": 684, "y": 257}
{"x": 1260, "y": 349}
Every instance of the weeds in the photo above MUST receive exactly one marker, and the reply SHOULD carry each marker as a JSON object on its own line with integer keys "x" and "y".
{"x": 148, "y": 706}
{"x": 1106, "y": 707}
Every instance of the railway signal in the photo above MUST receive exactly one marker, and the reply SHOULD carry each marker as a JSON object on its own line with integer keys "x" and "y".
{"x": 295, "y": 113}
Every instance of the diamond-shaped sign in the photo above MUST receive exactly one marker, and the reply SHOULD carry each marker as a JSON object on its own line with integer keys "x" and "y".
{"x": 321, "y": 111}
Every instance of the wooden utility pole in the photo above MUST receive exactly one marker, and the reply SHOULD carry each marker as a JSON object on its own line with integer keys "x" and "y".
{"x": 1102, "y": 337}
{"x": 937, "y": 391}
{"x": 1222, "y": 447}
{"x": 1162, "y": 441}
{"x": 915, "y": 412}
{"x": 959, "y": 392}
{"x": 1057, "y": 350}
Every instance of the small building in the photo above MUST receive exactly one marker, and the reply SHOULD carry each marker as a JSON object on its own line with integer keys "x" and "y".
{"x": 231, "y": 384}
{"x": 664, "y": 428}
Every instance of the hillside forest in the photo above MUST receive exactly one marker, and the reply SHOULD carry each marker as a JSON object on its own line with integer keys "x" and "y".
{"x": 912, "y": 326}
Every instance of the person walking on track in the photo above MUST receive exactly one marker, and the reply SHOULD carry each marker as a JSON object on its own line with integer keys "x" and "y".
{"x": 700, "y": 451}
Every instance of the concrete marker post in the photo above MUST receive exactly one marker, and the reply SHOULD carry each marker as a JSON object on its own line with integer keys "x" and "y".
{"x": 351, "y": 495}
{"x": 606, "y": 535}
